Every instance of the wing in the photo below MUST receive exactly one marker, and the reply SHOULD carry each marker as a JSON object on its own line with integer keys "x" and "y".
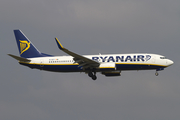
{"x": 81, "y": 60}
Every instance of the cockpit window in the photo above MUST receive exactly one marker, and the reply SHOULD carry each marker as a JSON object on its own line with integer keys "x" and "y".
{"x": 162, "y": 57}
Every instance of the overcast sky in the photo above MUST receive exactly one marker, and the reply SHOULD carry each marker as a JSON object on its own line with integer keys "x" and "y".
{"x": 90, "y": 27}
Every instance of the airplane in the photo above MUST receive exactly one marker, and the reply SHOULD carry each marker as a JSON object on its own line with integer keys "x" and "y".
{"x": 107, "y": 64}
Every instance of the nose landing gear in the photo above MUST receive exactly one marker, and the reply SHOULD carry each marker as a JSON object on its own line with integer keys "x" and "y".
{"x": 159, "y": 69}
{"x": 156, "y": 73}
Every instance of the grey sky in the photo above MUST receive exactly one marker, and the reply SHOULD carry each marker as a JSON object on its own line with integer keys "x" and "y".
{"x": 90, "y": 27}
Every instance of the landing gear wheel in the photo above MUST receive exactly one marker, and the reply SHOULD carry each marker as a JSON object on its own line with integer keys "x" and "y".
{"x": 156, "y": 73}
{"x": 90, "y": 74}
{"x": 94, "y": 77}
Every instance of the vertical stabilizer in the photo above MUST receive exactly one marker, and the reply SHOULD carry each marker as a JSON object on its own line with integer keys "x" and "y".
{"x": 25, "y": 46}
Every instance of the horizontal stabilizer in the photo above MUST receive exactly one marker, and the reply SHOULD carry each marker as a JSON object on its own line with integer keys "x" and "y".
{"x": 19, "y": 58}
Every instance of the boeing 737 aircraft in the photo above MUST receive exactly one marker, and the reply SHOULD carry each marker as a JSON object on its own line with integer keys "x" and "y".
{"x": 106, "y": 64}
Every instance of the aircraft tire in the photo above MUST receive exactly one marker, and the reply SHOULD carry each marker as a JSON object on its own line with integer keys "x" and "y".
{"x": 90, "y": 74}
{"x": 94, "y": 77}
{"x": 156, "y": 73}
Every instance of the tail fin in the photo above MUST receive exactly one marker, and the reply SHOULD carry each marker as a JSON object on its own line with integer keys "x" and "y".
{"x": 26, "y": 48}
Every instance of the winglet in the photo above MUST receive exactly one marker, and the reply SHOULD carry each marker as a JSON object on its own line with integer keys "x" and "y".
{"x": 59, "y": 44}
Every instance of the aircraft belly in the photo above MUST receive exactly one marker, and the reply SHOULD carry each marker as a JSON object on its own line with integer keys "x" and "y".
{"x": 55, "y": 68}
{"x": 75, "y": 68}
{"x": 136, "y": 67}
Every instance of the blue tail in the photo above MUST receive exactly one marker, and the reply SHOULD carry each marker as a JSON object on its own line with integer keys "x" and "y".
{"x": 26, "y": 48}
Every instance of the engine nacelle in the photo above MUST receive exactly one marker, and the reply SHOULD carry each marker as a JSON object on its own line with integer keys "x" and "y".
{"x": 107, "y": 66}
{"x": 112, "y": 73}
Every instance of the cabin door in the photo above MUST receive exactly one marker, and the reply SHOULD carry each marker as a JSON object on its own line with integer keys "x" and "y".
{"x": 41, "y": 63}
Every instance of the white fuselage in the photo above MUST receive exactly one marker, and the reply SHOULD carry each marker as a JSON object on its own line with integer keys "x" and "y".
{"x": 138, "y": 61}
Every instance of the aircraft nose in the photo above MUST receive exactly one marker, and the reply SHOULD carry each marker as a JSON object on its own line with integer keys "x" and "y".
{"x": 170, "y": 62}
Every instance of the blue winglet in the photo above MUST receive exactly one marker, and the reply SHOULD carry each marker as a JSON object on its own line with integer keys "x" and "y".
{"x": 59, "y": 44}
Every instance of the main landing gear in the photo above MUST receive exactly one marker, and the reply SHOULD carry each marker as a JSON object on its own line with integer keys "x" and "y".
{"x": 159, "y": 69}
{"x": 93, "y": 76}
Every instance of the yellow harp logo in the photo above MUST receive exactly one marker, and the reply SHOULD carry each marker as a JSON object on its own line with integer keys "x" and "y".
{"x": 24, "y": 45}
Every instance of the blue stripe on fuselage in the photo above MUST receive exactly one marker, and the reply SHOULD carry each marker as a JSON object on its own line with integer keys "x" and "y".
{"x": 54, "y": 68}
{"x": 137, "y": 67}
{"x": 75, "y": 68}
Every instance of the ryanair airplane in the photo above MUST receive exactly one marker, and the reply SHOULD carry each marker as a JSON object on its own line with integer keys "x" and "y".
{"x": 106, "y": 64}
